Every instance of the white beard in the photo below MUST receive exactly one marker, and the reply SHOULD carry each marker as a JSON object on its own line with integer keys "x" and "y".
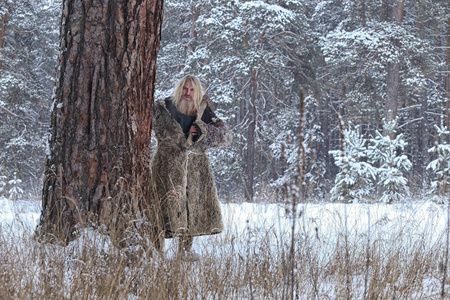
{"x": 186, "y": 107}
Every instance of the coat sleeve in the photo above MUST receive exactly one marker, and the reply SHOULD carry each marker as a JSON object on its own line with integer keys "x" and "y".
{"x": 213, "y": 135}
{"x": 157, "y": 122}
{"x": 165, "y": 128}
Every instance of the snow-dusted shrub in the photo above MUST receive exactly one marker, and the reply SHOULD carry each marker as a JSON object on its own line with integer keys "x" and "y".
{"x": 3, "y": 181}
{"x": 386, "y": 153}
{"x": 15, "y": 192}
{"x": 2, "y": 184}
{"x": 354, "y": 182}
{"x": 440, "y": 166}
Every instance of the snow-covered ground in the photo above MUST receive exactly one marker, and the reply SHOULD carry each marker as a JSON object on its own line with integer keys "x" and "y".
{"x": 18, "y": 217}
{"x": 325, "y": 224}
{"x": 325, "y": 221}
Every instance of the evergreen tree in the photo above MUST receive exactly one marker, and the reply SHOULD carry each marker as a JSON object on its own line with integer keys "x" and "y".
{"x": 15, "y": 192}
{"x": 355, "y": 181}
{"x": 385, "y": 153}
{"x": 440, "y": 166}
{"x": 2, "y": 185}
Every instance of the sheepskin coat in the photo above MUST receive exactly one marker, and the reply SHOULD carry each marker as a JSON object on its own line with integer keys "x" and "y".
{"x": 181, "y": 172}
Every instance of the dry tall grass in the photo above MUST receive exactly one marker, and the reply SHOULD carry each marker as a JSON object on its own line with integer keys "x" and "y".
{"x": 245, "y": 262}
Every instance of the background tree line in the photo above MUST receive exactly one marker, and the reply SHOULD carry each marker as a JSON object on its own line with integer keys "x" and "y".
{"x": 29, "y": 32}
{"x": 371, "y": 62}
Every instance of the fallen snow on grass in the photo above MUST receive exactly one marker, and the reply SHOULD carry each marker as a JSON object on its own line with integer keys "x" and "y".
{"x": 322, "y": 221}
{"x": 323, "y": 233}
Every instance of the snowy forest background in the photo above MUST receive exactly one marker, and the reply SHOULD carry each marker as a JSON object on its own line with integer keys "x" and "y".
{"x": 375, "y": 73}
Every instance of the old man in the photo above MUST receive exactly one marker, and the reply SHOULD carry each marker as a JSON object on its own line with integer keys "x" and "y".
{"x": 185, "y": 127}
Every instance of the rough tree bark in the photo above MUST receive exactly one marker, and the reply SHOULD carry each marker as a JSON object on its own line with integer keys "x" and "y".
{"x": 98, "y": 168}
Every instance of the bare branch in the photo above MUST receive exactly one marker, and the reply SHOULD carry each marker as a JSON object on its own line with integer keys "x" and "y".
{"x": 8, "y": 111}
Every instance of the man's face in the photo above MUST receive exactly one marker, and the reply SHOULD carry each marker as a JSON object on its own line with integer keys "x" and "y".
{"x": 186, "y": 104}
{"x": 188, "y": 92}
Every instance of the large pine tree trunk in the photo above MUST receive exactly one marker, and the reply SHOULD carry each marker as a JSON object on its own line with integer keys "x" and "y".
{"x": 98, "y": 167}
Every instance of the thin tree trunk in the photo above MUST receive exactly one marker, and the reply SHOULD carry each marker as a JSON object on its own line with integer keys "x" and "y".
{"x": 363, "y": 12}
{"x": 195, "y": 12}
{"x": 392, "y": 79}
{"x": 419, "y": 149}
{"x": 393, "y": 70}
{"x": 447, "y": 76}
{"x": 250, "y": 174}
{"x": 98, "y": 167}
{"x": 3, "y": 27}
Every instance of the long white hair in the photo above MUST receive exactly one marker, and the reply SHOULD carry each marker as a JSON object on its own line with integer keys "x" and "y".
{"x": 196, "y": 84}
